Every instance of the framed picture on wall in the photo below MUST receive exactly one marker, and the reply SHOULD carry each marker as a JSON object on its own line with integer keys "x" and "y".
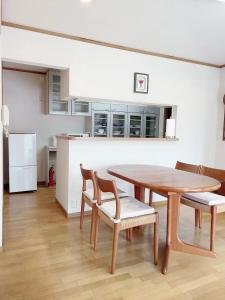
{"x": 141, "y": 83}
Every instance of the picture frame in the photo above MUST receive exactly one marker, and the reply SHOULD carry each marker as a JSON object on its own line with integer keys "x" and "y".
{"x": 141, "y": 82}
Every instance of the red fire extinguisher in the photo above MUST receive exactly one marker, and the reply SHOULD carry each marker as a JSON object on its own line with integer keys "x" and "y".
{"x": 51, "y": 176}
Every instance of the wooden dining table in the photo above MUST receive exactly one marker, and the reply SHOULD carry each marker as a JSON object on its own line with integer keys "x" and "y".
{"x": 170, "y": 183}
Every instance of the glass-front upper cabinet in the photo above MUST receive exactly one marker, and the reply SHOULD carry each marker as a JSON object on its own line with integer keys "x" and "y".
{"x": 118, "y": 124}
{"x": 151, "y": 129}
{"x": 100, "y": 123}
{"x": 135, "y": 125}
{"x": 55, "y": 104}
{"x": 81, "y": 108}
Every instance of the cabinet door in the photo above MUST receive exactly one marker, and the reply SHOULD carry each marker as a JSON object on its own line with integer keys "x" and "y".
{"x": 81, "y": 108}
{"x": 152, "y": 110}
{"x": 135, "y": 125}
{"x": 118, "y": 107}
{"x": 60, "y": 107}
{"x": 54, "y": 84}
{"x": 101, "y": 106}
{"x": 118, "y": 125}
{"x": 151, "y": 126}
{"x": 100, "y": 123}
{"x": 56, "y": 104}
{"x": 136, "y": 109}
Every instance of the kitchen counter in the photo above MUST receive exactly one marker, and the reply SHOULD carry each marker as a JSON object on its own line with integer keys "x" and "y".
{"x": 65, "y": 137}
{"x": 100, "y": 153}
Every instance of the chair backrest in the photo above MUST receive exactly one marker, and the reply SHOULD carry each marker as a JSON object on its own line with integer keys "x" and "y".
{"x": 187, "y": 167}
{"x": 108, "y": 186}
{"x": 217, "y": 174}
{"x": 87, "y": 175}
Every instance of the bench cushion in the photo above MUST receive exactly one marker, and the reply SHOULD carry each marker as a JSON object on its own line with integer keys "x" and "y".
{"x": 105, "y": 196}
{"x": 130, "y": 207}
{"x": 206, "y": 198}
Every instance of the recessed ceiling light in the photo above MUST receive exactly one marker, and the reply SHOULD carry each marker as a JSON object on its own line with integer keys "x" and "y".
{"x": 86, "y": 1}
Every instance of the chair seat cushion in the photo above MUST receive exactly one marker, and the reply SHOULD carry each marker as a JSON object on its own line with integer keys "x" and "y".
{"x": 130, "y": 207}
{"x": 105, "y": 196}
{"x": 206, "y": 198}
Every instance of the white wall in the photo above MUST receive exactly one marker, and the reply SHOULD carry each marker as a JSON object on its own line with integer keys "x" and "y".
{"x": 102, "y": 72}
{"x": 220, "y": 150}
{"x": 72, "y": 153}
{"x": 25, "y": 95}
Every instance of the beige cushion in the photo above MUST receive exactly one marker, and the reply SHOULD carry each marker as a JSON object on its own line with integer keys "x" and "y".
{"x": 105, "y": 196}
{"x": 206, "y": 198}
{"x": 130, "y": 207}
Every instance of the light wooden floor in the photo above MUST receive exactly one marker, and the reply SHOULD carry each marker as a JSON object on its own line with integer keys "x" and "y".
{"x": 46, "y": 257}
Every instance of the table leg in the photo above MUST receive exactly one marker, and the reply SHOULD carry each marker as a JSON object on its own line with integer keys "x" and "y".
{"x": 139, "y": 193}
{"x": 173, "y": 241}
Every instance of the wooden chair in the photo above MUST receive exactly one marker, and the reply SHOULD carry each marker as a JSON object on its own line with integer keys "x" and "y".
{"x": 192, "y": 169}
{"x": 89, "y": 196}
{"x": 122, "y": 215}
{"x": 212, "y": 203}
{"x": 187, "y": 167}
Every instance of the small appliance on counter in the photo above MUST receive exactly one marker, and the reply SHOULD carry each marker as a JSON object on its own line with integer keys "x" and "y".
{"x": 86, "y": 134}
{"x": 22, "y": 162}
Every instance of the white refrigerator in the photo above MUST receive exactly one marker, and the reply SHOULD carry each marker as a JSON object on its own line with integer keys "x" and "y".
{"x": 22, "y": 162}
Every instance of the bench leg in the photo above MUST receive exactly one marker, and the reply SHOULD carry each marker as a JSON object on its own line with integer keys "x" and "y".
{"x": 212, "y": 229}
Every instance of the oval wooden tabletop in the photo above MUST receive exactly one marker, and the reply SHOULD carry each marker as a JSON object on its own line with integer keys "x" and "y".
{"x": 164, "y": 179}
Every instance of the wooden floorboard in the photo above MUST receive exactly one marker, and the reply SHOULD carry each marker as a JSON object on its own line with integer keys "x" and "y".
{"x": 45, "y": 256}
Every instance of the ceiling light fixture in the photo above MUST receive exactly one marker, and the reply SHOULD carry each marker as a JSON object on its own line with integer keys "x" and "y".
{"x": 86, "y": 1}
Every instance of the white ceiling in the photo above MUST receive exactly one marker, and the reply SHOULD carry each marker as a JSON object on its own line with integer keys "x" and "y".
{"x": 193, "y": 29}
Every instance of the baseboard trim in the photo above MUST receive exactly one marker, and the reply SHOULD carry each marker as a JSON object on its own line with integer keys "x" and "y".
{"x": 71, "y": 215}
{"x": 61, "y": 207}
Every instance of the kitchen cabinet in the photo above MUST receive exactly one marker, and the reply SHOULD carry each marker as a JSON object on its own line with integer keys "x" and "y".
{"x": 151, "y": 125}
{"x": 118, "y": 126}
{"x": 118, "y": 108}
{"x": 56, "y": 105}
{"x": 135, "y": 125}
{"x": 136, "y": 109}
{"x": 101, "y": 106}
{"x": 81, "y": 108}
{"x": 152, "y": 110}
{"x": 100, "y": 123}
